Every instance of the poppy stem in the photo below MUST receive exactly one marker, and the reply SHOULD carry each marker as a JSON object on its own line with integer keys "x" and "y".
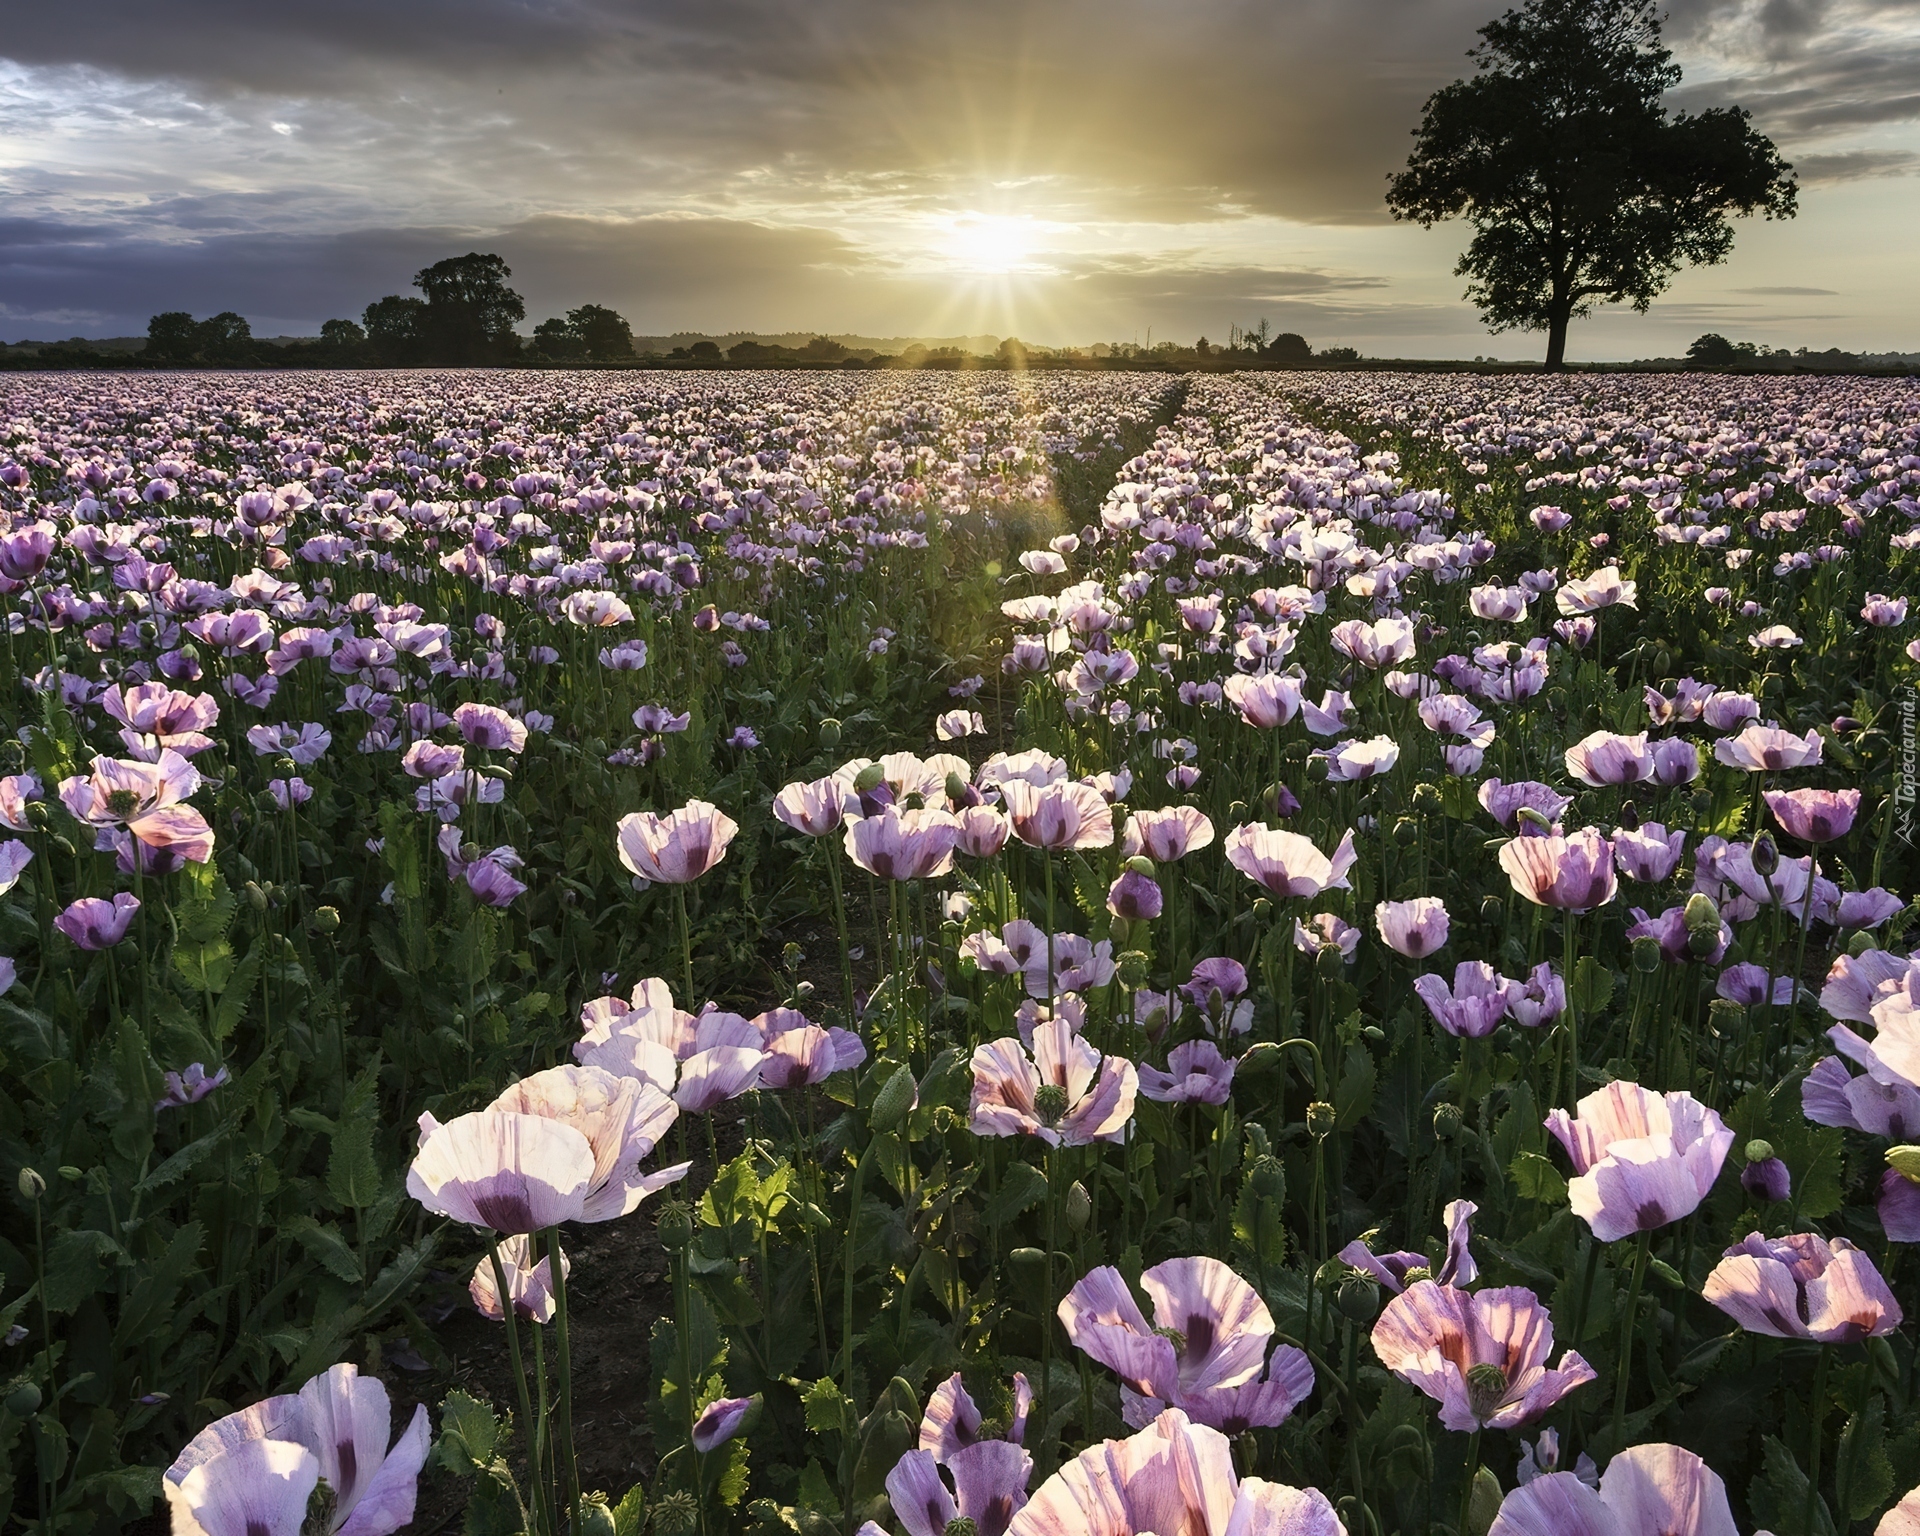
{"x": 1466, "y": 1490}
{"x": 1817, "y": 1408}
{"x": 564, "y": 1462}
{"x": 542, "y": 1514}
{"x": 1628, "y": 1329}
{"x": 686, "y": 945}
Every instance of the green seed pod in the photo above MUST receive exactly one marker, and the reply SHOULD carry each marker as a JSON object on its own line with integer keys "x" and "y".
{"x": 1759, "y": 1151}
{"x": 325, "y": 920}
{"x": 1358, "y": 1299}
{"x": 1329, "y": 962}
{"x": 1629, "y": 817}
{"x": 956, "y": 788}
{"x": 891, "y": 1103}
{"x": 675, "y": 1225}
{"x": 676, "y": 1513}
{"x": 595, "y": 1518}
{"x": 829, "y": 733}
{"x": 1050, "y": 1104}
{"x": 1321, "y": 1119}
{"x": 1406, "y": 831}
{"x": 1268, "y": 1177}
{"x": 1646, "y": 954}
{"x": 1262, "y": 909}
{"x": 1132, "y": 966}
{"x": 1447, "y": 1122}
{"x": 1726, "y": 1019}
{"x": 1426, "y": 796}
{"x": 1492, "y": 909}
{"x": 23, "y": 1402}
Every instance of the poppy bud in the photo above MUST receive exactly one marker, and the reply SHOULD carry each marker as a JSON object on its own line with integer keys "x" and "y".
{"x": 1765, "y": 1177}
{"x": 891, "y": 1103}
{"x": 869, "y": 779}
{"x": 675, "y": 1225}
{"x": 1358, "y": 1299}
{"x": 1447, "y": 1122}
{"x": 1079, "y": 1206}
{"x": 256, "y": 897}
{"x": 1527, "y": 816}
{"x": 1140, "y": 864}
{"x": 1629, "y": 817}
{"x": 32, "y": 1186}
{"x": 1702, "y": 919}
{"x": 1765, "y": 855}
{"x": 1119, "y": 929}
{"x": 1285, "y": 805}
{"x": 1860, "y": 943}
{"x": 1321, "y": 1119}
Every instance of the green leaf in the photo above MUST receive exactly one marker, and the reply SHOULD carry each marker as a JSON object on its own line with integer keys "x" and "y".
{"x": 470, "y": 1433}
{"x": 77, "y": 1265}
{"x": 152, "y": 1299}
{"x": 326, "y": 1244}
{"x": 826, "y": 1408}
{"x": 816, "y": 1493}
{"x": 1534, "y": 1178}
{"x": 1862, "y": 1472}
{"x": 1592, "y": 986}
{"x": 1022, "y": 1187}
{"x": 1779, "y": 1495}
{"x": 630, "y": 1514}
{"x": 184, "y": 1161}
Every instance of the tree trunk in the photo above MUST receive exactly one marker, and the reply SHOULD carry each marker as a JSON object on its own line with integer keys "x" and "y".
{"x": 1557, "y": 339}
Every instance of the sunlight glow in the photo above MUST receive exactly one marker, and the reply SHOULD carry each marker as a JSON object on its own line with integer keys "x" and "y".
{"x": 990, "y": 244}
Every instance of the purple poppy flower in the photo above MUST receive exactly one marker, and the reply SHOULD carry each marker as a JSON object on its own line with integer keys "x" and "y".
{"x": 1135, "y": 897}
{"x": 1649, "y": 854}
{"x": 1541, "y": 1458}
{"x": 253, "y": 1470}
{"x": 989, "y": 1488}
{"x": 529, "y": 1284}
{"x": 1325, "y": 930}
{"x": 1676, "y": 939}
{"x": 1899, "y": 1207}
{"x": 1482, "y": 1356}
{"x": 1173, "y": 1476}
{"x": 952, "y": 1421}
{"x": 1766, "y": 1178}
{"x": 1398, "y": 1270}
{"x": 1066, "y": 1093}
{"x": 1749, "y": 985}
{"x": 95, "y": 924}
{"x": 1605, "y": 758}
{"x": 1413, "y": 928}
{"x": 487, "y": 727}
{"x": 1206, "y": 1353}
{"x": 1866, "y": 909}
{"x": 1475, "y": 1004}
{"x": 1167, "y": 836}
{"x": 1287, "y": 864}
{"x": 720, "y": 1421}
{"x": 1539, "y": 999}
{"x": 1879, "y": 1102}
{"x": 1803, "y": 1287}
{"x": 491, "y": 878}
{"x": 1573, "y": 873}
{"x": 1640, "y": 1159}
{"x": 1196, "y": 1074}
{"x": 1814, "y": 815}
{"x": 677, "y": 848}
{"x": 1504, "y": 802}
{"x": 190, "y": 1086}
{"x": 1648, "y": 1490}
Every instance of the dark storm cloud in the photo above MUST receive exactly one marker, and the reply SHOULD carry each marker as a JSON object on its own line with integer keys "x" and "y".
{"x": 1301, "y": 109}
{"x": 650, "y": 269}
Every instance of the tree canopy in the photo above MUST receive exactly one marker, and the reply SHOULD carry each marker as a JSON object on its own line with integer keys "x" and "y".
{"x": 470, "y": 311}
{"x": 1581, "y": 187}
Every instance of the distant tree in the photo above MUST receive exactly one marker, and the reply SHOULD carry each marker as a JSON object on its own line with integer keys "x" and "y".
{"x": 1013, "y": 352}
{"x": 1582, "y": 190}
{"x": 557, "y": 339}
{"x": 226, "y": 339}
{"x": 605, "y": 335}
{"x": 754, "y": 352}
{"x": 1288, "y": 347}
{"x": 173, "y": 337}
{"x": 1203, "y": 348}
{"x": 1339, "y": 355}
{"x": 342, "y": 336}
{"x": 1712, "y": 349}
{"x": 823, "y": 349}
{"x": 470, "y": 311}
{"x": 394, "y": 329}
{"x": 705, "y": 352}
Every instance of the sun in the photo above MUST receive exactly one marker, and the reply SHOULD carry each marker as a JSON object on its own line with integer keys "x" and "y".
{"x": 990, "y": 244}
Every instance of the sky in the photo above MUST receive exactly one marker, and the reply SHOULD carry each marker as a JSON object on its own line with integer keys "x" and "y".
{"x": 1069, "y": 171}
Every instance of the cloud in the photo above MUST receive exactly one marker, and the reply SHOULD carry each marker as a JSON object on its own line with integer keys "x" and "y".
{"x": 1790, "y": 291}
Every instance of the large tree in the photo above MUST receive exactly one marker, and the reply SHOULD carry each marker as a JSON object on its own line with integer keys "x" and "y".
{"x": 471, "y": 312}
{"x": 1581, "y": 187}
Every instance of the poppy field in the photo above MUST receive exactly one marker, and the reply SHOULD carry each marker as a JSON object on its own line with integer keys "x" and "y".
{"x": 1227, "y": 954}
